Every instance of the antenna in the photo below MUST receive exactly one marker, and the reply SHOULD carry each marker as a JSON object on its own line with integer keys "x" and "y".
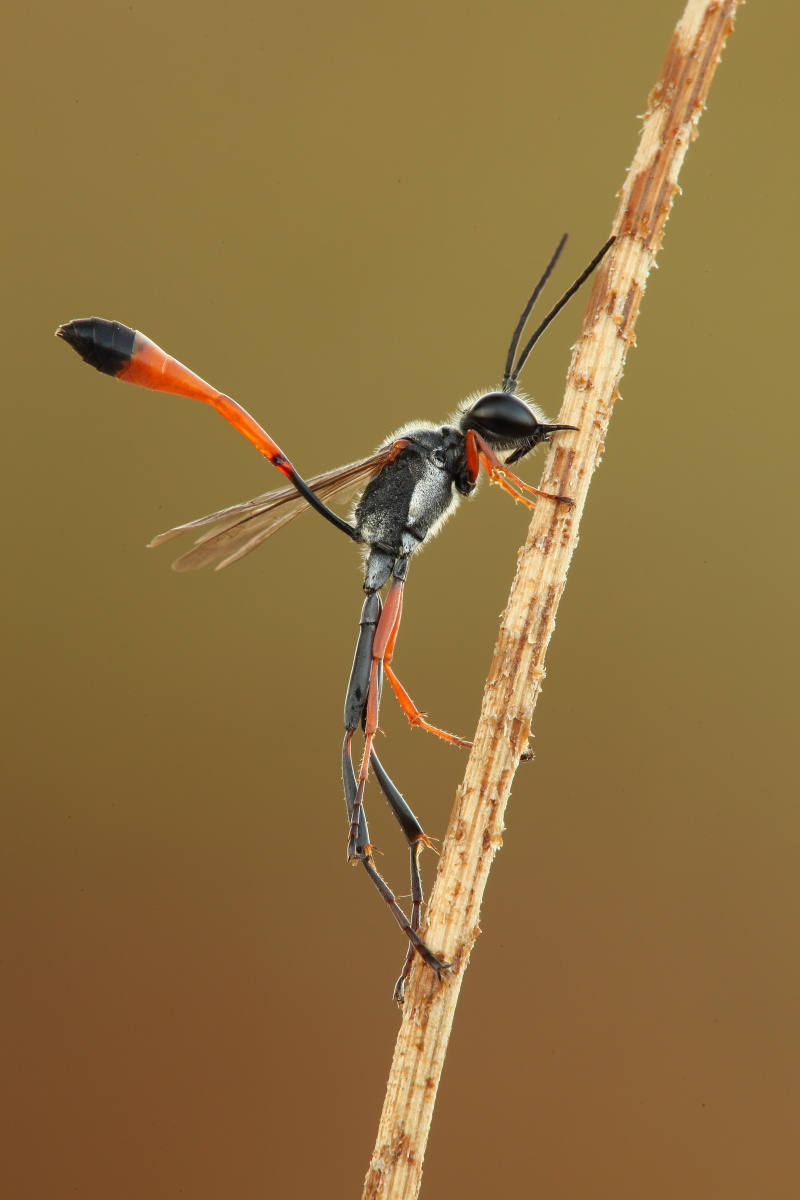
{"x": 526, "y": 312}
{"x": 510, "y": 380}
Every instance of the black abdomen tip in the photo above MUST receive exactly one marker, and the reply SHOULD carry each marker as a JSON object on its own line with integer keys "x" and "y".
{"x": 105, "y": 345}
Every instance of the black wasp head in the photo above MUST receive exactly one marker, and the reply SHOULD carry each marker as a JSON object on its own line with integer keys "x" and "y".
{"x": 507, "y": 422}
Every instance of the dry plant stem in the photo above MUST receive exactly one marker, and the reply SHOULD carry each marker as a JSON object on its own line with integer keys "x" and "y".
{"x": 475, "y": 831}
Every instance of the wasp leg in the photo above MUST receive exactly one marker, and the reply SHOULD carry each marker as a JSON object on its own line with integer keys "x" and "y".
{"x": 376, "y": 629}
{"x": 416, "y": 718}
{"x": 350, "y": 788}
{"x": 417, "y": 944}
{"x": 416, "y": 838}
{"x": 480, "y": 454}
{"x": 416, "y": 905}
{"x": 361, "y": 707}
{"x": 358, "y": 691}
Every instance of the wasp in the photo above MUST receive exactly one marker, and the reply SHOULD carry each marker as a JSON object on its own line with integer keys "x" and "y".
{"x": 408, "y": 489}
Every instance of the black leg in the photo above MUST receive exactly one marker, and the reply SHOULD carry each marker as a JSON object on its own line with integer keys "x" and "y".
{"x": 363, "y": 694}
{"x": 416, "y": 908}
{"x": 416, "y": 838}
{"x": 355, "y": 703}
{"x": 416, "y": 941}
{"x": 412, "y": 830}
{"x": 350, "y": 789}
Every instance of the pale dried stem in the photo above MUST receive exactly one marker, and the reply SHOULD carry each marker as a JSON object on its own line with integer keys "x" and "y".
{"x": 515, "y": 677}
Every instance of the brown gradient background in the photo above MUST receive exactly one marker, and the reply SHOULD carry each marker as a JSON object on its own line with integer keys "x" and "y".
{"x": 335, "y": 212}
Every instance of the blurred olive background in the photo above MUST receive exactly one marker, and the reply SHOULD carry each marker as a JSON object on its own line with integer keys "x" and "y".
{"x": 335, "y": 213}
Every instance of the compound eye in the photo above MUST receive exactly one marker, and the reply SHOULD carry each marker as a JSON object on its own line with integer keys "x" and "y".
{"x": 503, "y": 415}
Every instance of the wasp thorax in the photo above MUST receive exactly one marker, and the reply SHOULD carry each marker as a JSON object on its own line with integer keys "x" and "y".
{"x": 503, "y": 415}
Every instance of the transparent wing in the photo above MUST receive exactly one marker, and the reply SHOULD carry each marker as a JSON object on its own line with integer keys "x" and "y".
{"x": 241, "y": 528}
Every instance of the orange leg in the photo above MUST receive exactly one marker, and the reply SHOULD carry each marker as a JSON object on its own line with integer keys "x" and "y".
{"x": 415, "y": 716}
{"x": 480, "y": 454}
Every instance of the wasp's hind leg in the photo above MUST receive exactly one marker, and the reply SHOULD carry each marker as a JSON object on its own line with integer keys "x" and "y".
{"x": 361, "y": 708}
{"x": 355, "y": 704}
{"x": 417, "y": 839}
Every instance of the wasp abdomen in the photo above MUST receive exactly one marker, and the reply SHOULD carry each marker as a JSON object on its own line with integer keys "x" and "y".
{"x": 105, "y": 345}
